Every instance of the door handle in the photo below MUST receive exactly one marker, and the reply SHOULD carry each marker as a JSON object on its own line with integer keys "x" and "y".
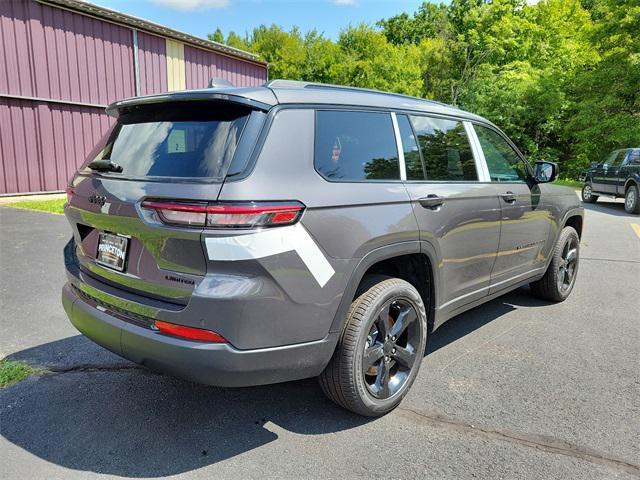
{"x": 431, "y": 201}
{"x": 509, "y": 197}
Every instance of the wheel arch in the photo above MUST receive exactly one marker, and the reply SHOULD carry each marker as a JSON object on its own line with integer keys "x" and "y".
{"x": 630, "y": 181}
{"x": 389, "y": 260}
{"x": 576, "y": 221}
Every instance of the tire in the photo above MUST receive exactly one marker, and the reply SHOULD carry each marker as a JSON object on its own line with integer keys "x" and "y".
{"x": 560, "y": 277}
{"x": 345, "y": 379}
{"x": 632, "y": 200}
{"x": 587, "y": 194}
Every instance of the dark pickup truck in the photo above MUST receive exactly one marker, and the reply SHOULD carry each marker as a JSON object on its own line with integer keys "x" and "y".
{"x": 617, "y": 177}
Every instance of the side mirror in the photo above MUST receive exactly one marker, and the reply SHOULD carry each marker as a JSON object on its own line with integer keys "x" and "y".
{"x": 546, "y": 172}
{"x": 594, "y": 164}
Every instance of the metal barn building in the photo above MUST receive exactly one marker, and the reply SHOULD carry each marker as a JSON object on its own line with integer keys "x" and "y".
{"x": 63, "y": 61}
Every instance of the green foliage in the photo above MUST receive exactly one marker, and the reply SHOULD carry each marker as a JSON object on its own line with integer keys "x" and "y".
{"x": 369, "y": 60}
{"x": 216, "y": 36}
{"x": 606, "y": 111}
{"x": 560, "y": 77}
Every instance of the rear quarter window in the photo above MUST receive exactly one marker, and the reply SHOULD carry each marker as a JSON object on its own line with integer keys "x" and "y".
{"x": 355, "y": 146}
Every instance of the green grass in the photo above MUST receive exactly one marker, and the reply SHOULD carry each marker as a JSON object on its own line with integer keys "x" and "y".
{"x": 12, "y": 372}
{"x": 51, "y": 206}
{"x": 569, "y": 183}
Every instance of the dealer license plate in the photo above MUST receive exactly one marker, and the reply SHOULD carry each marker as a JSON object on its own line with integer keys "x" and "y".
{"x": 112, "y": 251}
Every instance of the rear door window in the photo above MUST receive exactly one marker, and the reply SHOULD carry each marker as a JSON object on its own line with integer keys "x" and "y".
{"x": 356, "y": 146}
{"x": 195, "y": 141}
{"x": 445, "y": 150}
{"x": 620, "y": 158}
{"x": 615, "y": 159}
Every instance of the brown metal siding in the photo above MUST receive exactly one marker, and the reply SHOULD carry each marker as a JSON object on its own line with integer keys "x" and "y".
{"x": 202, "y": 65}
{"x": 153, "y": 64}
{"x": 41, "y": 144}
{"x": 56, "y": 55}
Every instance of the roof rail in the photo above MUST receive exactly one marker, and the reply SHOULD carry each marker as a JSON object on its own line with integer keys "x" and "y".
{"x": 278, "y": 83}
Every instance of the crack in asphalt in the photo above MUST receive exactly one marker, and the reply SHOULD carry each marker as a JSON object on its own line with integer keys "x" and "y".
{"x": 539, "y": 442}
{"x": 89, "y": 367}
{"x": 617, "y": 260}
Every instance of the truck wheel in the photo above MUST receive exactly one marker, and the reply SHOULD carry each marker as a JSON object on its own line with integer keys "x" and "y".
{"x": 558, "y": 281}
{"x": 587, "y": 194}
{"x": 631, "y": 200}
{"x": 380, "y": 349}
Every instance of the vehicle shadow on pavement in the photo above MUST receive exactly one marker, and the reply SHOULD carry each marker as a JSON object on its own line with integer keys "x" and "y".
{"x": 471, "y": 320}
{"x": 125, "y": 420}
{"x": 610, "y": 208}
{"x": 99, "y": 413}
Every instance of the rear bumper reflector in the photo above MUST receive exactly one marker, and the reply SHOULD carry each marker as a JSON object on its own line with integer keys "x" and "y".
{"x": 189, "y": 333}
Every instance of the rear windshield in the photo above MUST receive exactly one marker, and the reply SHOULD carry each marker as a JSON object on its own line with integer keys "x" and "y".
{"x": 190, "y": 141}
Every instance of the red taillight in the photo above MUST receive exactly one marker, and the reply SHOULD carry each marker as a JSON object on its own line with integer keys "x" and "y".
{"x": 253, "y": 214}
{"x": 227, "y": 215}
{"x": 70, "y": 193}
{"x": 189, "y": 214}
{"x": 190, "y": 333}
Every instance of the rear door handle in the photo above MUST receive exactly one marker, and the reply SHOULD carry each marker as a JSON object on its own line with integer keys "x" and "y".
{"x": 509, "y": 197}
{"x": 431, "y": 201}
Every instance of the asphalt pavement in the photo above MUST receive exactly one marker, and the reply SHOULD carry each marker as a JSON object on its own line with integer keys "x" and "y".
{"x": 517, "y": 388}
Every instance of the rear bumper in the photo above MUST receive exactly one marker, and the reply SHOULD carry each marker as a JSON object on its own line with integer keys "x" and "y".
{"x": 211, "y": 364}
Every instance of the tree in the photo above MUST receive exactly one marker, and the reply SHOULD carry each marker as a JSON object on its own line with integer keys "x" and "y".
{"x": 216, "y": 36}
{"x": 559, "y": 77}
{"x": 606, "y": 113}
{"x": 368, "y": 60}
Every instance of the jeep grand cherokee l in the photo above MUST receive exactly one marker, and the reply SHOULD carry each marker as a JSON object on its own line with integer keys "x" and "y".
{"x": 244, "y": 236}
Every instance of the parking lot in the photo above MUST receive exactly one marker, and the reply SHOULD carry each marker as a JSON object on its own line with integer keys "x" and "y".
{"x": 513, "y": 389}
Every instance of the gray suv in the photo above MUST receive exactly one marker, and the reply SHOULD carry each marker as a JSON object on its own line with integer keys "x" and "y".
{"x": 244, "y": 236}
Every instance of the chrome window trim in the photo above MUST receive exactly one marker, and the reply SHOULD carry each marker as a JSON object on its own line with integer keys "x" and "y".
{"x": 400, "y": 147}
{"x": 481, "y": 162}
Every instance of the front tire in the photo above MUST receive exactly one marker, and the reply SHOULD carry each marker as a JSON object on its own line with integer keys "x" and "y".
{"x": 632, "y": 200}
{"x": 380, "y": 350}
{"x": 558, "y": 280}
{"x": 587, "y": 194}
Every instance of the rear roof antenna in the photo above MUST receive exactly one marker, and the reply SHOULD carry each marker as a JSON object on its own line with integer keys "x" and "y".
{"x": 218, "y": 82}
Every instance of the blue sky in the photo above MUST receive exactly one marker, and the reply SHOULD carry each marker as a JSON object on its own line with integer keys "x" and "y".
{"x": 199, "y": 17}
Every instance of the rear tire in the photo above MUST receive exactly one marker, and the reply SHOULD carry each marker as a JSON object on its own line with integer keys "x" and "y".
{"x": 632, "y": 200}
{"x": 587, "y": 194}
{"x": 380, "y": 349}
{"x": 560, "y": 277}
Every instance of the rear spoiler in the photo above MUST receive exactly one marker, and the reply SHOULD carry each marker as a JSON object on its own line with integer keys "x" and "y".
{"x": 117, "y": 108}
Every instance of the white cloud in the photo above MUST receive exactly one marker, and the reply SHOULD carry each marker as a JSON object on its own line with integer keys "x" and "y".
{"x": 187, "y": 5}
{"x": 343, "y": 3}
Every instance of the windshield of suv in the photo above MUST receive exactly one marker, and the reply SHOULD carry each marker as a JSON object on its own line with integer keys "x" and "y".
{"x": 174, "y": 141}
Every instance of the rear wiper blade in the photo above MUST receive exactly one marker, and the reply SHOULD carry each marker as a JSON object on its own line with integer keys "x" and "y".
{"x": 105, "y": 165}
